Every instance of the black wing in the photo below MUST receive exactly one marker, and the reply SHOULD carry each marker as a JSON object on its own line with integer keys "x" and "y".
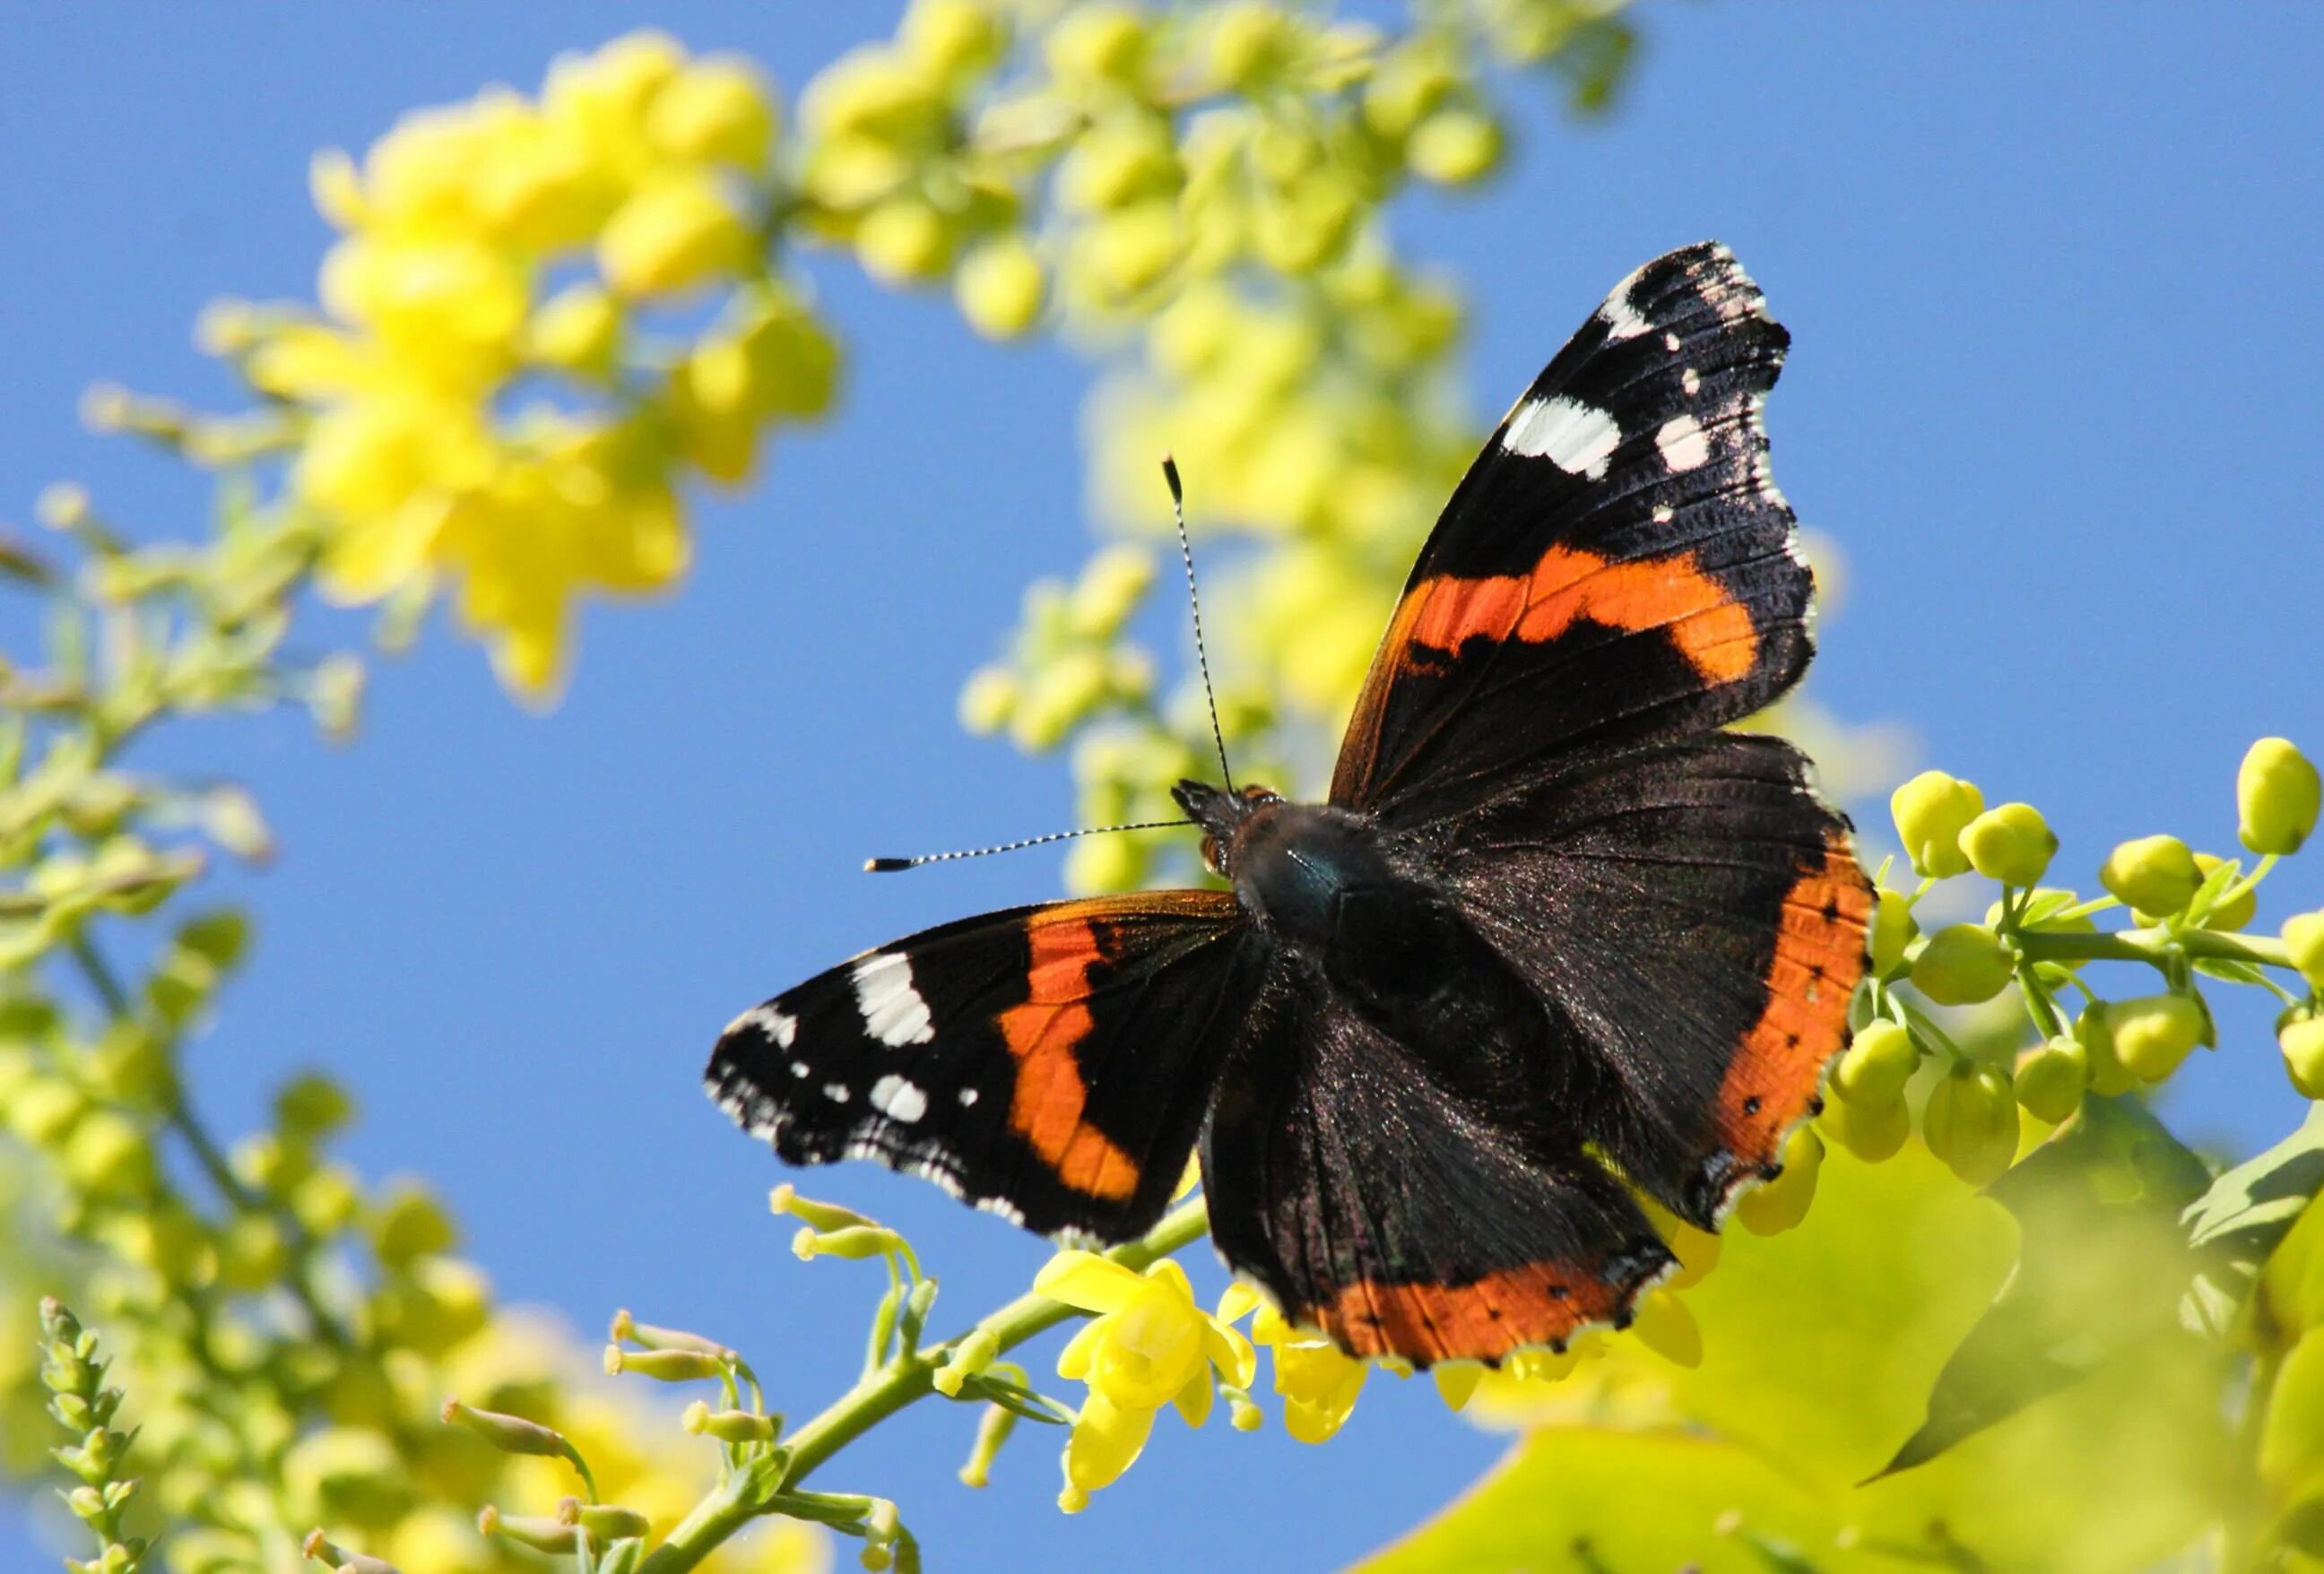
{"x": 1616, "y": 565}
{"x": 1051, "y": 1063}
{"x": 1387, "y": 1198}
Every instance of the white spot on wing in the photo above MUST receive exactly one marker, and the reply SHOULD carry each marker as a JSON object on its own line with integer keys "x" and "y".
{"x": 899, "y": 1099}
{"x": 766, "y": 1019}
{"x": 1685, "y": 445}
{"x": 1691, "y": 380}
{"x": 1574, "y": 437}
{"x": 1670, "y": 343}
{"x": 798, "y": 1070}
{"x": 894, "y": 1011}
{"x": 1623, "y": 320}
{"x": 967, "y": 1097}
{"x": 835, "y": 1092}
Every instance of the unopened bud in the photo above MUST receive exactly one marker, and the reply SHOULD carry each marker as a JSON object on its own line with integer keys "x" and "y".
{"x": 1971, "y": 1122}
{"x": 2153, "y": 1034}
{"x": 730, "y": 1426}
{"x": 2153, "y": 874}
{"x": 340, "y": 1561}
{"x": 1778, "y": 1205}
{"x": 2277, "y": 794}
{"x": 855, "y": 1243}
{"x": 2011, "y": 843}
{"x": 1872, "y": 1132}
{"x": 510, "y": 1434}
{"x": 1931, "y": 810}
{"x": 1892, "y": 929}
{"x": 627, "y": 1330}
{"x": 544, "y": 1535}
{"x": 663, "y": 1365}
{"x": 1962, "y": 964}
{"x": 604, "y": 1521}
{"x": 2094, "y": 1031}
{"x": 2303, "y": 943}
{"x": 820, "y": 1215}
{"x": 2300, "y": 1036}
{"x": 993, "y": 1429}
{"x": 974, "y": 1353}
{"x": 1878, "y": 1062}
{"x": 2050, "y": 1079}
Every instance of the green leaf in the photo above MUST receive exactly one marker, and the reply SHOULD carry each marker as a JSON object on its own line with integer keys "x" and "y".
{"x": 2237, "y": 1223}
{"x": 1821, "y": 1346}
{"x": 2101, "y": 1266}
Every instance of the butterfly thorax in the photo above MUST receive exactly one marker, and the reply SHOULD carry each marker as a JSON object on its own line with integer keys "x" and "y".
{"x": 1328, "y": 883}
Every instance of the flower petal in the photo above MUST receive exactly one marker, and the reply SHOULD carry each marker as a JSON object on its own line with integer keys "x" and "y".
{"x": 1194, "y": 1401}
{"x": 1086, "y": 1280}
{"x": 1106, "y": 1440}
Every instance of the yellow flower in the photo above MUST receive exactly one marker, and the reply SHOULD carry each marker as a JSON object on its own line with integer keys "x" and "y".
{"x": 1318, "y": 1383}
{"x": 680, "y": 231}
{"x": 1149, "y": 1346}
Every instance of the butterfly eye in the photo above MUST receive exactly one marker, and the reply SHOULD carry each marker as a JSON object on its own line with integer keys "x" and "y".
{"x": 1210, "y": 858}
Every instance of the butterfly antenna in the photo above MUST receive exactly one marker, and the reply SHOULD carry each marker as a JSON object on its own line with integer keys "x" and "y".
{"x": 892, "y": 865}
{"x": 1195, "y": 600}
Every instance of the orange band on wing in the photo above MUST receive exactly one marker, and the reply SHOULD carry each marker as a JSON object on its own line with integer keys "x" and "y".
{"x": 1709, "y": 626}
{"x": 1046, "y": 1109}
{"x": 1819, "y": 956}
{"x": 1540, "y": 1304}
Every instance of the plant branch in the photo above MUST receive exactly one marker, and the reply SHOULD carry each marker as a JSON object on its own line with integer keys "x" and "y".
{"x": 749, "y": 1494}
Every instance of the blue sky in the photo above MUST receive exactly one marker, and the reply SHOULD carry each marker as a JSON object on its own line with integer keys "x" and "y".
{"x": 2058, "y": 373}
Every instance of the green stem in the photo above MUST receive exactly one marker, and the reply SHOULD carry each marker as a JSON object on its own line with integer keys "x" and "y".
{"x": 2155, "y": 947}
{"x": 901, "y": 1382}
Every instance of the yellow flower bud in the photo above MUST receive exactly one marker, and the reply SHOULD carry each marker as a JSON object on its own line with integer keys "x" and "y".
{"x": 1962, "y": 964}
{"x": 1777, "y": 1205}
{"x": 1127, "y": 253}
{"x": 2153, "y": 1033}
{"x": 2277, "y": 792}
{"x": 1878, "y": 1062}
{"x": 1098, "y": 43}
{"x": 1931, "y": 811}
{"x": 679, "y": 231}
{"x": 2050, "y": 1079}
{"x": 2011, "y": 843}
{"x": 2153, "y": 874}
{"x": 952, "y": 38}
{"x": 43, "y": 1110}
{"x": 346, "y": 1476}
{"x": 1894, "y": 928}
{"x": 1248, "y": 43}
{"x": 987, "y": 699}
{"x": 2304, "y": 942}
{"x": 108, "y": 1156}
{"x": 411, "y": 1223}
{"x": 999, "y": 287}
{"x": 2302, "y": 1039}
{"x": 1453, "y": 147}
{"x": 1971, "y": 1122}
{"x": 1872, "y": 1132}
{"x": 578, "y": 329}
{"x": 1121, "y": 160}
{"x": 717, "y": 110}
{"x": 793, "y": 363}
{"x": 2094, "y": 1031}
{"x": 903, "y": 241}
{"x": 252, "y": 1253}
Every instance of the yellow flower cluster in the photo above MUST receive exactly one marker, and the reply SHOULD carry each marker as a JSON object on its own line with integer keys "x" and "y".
{"x": 1983, "y": 1100}
{"x": 465, "y": 425}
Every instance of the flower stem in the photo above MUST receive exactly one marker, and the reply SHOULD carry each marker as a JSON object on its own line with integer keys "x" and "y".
{"x": 880, "y": 1394}
{"x": 2154, "y": 946}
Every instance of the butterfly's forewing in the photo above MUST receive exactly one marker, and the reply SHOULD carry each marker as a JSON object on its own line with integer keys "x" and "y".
{"x": 1695, "y": 918}
{"x": 1389, "y": 1203}
{"x": 1052, "y": 1063}
{"x": 1617, "y": 565}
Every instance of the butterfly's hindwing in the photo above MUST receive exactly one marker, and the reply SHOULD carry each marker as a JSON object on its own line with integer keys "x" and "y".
{"x": 1617, "y": 565}
{"x": 1050, "y": 1063}
{"x": 1694, "y": 917}
{"x": 1397, "y": 1213}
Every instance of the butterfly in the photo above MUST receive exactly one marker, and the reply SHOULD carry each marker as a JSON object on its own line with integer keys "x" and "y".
{"x": 1557, "y": 939}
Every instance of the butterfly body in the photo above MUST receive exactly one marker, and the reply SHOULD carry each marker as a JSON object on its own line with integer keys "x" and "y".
{"x": 1557, "y": 940}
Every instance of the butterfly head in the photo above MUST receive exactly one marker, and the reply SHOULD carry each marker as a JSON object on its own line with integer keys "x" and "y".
{"x": 1221, "y": 814}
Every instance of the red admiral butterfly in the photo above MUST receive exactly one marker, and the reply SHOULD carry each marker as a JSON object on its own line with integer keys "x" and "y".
{"x": 1553, "y": 927}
